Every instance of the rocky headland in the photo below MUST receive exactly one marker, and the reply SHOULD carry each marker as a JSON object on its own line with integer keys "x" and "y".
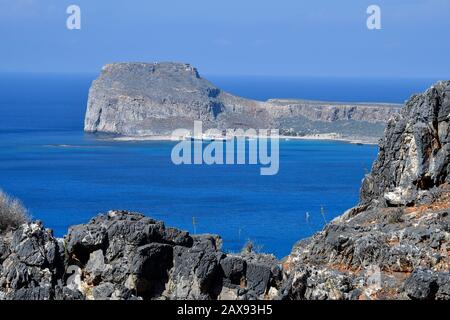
{"x": 393, "y": 245}
{"x": 153, "y": 99}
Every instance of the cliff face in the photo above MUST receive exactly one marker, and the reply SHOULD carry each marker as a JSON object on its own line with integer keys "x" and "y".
{"x": 413, "y": 161}
{"x": 138, "y": 99}
{"x": 141, "y": 99}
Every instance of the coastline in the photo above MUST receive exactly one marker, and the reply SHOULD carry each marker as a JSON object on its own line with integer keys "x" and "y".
{"x": 311, "y": 137}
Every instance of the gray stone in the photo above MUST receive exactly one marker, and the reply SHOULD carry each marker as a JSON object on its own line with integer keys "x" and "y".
{"x": 196, "y": 273}
{"x": 443, "y": 282}
{"x": 65, "y": 293}
{"x": 103, "y": 291}
{"x": 422, "y": 285}
{"x": 234, "y": 269}
{"x": 414, "y": 153}
{"x": 31, "y": 264}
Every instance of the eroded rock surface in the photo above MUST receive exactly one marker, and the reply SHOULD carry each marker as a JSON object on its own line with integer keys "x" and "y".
{"x": 125, "y": 255}
{"x": 395, "y": 244}
{"x": 413, "y": 161}
{"x": 30, "y": 264}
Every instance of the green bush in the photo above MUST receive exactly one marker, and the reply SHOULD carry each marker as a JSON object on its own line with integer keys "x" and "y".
{"x": 12, "y": 212}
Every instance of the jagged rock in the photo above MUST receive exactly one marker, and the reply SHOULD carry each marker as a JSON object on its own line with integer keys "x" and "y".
{"x": 150, "y": 265}
{"x": 103, "y": 291}
{"x": 443, "y": 282}
{"x": 177, "y": 237}
{"x": 261, "y": 272}
{"x": 312, "y": 283}
{"x": 125, "y": 249}
{"x": 249, "y": 275}
{"x": 31, "y": 264}
{"x": 234, "y": 269}
{"x": 414, "y": 152}
{"x": 294, "y": 287}
{"x": 96, "y": 266}
{"x": 84, "y": 239}
{"x": 422, "y": 285}
{"x": 4, "y": 250}
{"x": 327, "y": 284}
{"x": 65, "y": 293}
{"x": 131, "y": 265}
{"x": 43, "y": 292}
{"x": 123, "y": 255}
{"x": 401, "y": 225}
{"x": 196, "y": 273}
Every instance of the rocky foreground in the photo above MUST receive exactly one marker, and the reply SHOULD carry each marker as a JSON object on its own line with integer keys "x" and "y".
{"x": 123, "y": 255}
{"x": 154, "y": 99}
{"x": 393, "y": 245}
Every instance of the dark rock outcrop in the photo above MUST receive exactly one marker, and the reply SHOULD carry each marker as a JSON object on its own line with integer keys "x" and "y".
{"x": 123, "y": 255}
{"x": 370, "y": 257}
{"x": 31, "y": 264}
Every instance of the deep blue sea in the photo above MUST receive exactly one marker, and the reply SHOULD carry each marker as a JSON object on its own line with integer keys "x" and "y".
{"x": 65, "y": 176}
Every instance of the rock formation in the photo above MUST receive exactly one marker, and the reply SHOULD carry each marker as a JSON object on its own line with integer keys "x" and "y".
{"x": 413, "y": 161}
{"x": 124, "y": 255}
{"x": 393, "y": 245}
{"x": 139, "y": 99}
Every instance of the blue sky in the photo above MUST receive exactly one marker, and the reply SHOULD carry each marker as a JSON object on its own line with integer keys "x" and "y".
{"x": 245, "y": 37}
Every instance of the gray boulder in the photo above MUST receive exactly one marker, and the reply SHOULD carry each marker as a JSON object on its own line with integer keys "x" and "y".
{"x": 31, "y": 264}
{"x": 196, "y": 273}
{"x": 422, "y": 285}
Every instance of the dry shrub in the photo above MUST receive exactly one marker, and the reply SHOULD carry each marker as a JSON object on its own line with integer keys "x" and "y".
{"x": 12, "y": 212}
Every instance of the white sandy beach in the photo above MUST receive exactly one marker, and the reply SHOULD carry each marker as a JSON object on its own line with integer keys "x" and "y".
{"x": 319, "y": 136}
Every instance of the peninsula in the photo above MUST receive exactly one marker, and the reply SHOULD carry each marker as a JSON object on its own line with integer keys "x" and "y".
{"x": 139, "y": 101}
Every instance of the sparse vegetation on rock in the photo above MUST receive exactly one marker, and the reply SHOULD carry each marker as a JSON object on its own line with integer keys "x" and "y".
{"x": 12, "y": 212}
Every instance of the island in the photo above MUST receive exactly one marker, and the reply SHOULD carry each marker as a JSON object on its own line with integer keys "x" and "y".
{"x": 139, "y": 101}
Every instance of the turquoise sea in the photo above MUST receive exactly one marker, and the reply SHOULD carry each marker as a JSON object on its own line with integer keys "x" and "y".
{"x": 65, "y": 176}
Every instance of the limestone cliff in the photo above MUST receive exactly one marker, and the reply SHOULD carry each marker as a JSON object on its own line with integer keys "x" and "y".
{"x": 137, "y": 99}
{"x": 414, "y": 157}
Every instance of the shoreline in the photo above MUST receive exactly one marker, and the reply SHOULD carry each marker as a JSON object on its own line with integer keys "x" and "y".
{"x": 312, "y": 137}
